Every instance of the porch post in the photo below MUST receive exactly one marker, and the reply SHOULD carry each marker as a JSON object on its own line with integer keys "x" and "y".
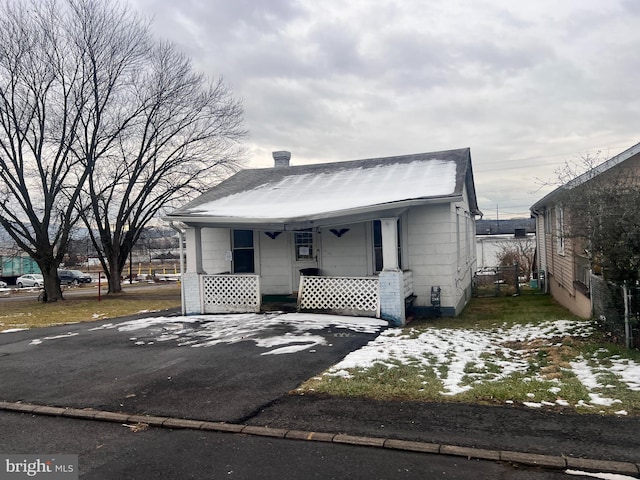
{"x": 392, "y": 307}
{"x": 191, "y": 278}
{"x": 389, "y": 230}
{"x": 193, "y": 236}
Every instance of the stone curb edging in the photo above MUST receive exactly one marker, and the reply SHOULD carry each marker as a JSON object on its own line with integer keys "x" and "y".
{"x": 530, "y": 459}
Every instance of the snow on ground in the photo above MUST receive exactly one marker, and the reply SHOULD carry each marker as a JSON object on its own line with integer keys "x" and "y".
{"x": 462, "y": 358}
{"x": 628, "y": 371}
{"x": 601, "y": 475}
{"x": 458, "y": 350}
{"x": 38, "y": 341}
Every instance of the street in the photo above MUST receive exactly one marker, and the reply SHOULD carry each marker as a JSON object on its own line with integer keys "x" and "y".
{"x": 240, "y": 369}
{"x": 113, "y": 451}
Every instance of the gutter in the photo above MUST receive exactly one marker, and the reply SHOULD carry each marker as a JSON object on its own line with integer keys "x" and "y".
{"x": 541, "y": 245}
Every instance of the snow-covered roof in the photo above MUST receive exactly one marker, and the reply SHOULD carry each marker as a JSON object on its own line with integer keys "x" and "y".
{"x": 321, "y": 191}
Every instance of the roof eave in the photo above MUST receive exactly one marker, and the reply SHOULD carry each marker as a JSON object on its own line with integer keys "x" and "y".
{"x": 352, "y": 215}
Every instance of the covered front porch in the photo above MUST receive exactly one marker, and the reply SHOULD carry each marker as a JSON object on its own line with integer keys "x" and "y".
{"x": 356, "y": 296}
{"x": 259, "y": 262}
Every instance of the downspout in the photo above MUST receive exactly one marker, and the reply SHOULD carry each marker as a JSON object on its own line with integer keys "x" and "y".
{"x": 181, "y": 240}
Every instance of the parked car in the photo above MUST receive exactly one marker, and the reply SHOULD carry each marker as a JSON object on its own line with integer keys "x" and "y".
{"x": 73, "y": 277}
{"x": 30, "y": 280}
{"x": 3, "y": 284}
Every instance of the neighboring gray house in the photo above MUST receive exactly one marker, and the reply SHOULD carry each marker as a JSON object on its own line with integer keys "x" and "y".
{"x": 370, "y": 236}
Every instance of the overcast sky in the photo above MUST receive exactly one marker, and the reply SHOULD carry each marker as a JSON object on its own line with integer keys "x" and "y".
{"x": 526, "y": 85}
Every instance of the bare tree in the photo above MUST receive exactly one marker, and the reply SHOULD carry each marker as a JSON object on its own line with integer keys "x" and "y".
{"x": 518, "y": 251}
{"x": 98, "y": 122}
{"x": 603, "y": 221}
{"x": 603, "y": 217}
{"x": 181, "y": 135}
{"x": 42, "y": 100}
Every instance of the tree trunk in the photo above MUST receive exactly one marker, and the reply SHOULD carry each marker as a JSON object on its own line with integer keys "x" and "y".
{"x": 52, "y": 291}
{"x": 115, "y": 284}
{"x": 113, "y": 273}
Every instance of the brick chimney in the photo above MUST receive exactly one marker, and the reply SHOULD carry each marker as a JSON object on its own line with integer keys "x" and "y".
{"x": 281, "y": 159}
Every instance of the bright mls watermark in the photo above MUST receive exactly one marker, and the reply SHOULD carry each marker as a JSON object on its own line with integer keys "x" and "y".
{"x": 49, "y": 467}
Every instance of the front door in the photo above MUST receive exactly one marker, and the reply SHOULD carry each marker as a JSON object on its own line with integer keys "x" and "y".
{"x": 305, "y": 254}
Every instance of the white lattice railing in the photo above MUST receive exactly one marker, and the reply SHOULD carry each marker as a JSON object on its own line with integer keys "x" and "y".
{"x": 407, "y": 277}
{"x": 346, "y": 295}
{"x": 230, "y": 293}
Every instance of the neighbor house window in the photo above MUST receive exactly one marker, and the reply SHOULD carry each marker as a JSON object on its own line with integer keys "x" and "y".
{"x": 304, "y": 245}
{"x": 583, "y": 272}
{"x": 243, "y": 258}
{"x": 547, "y": 221}
{"x": 560, "y": 230}
{"x": 377, "y": 245}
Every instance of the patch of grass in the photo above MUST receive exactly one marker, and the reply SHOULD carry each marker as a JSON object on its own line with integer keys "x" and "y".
{"x": 598, "y": 347}
{"x": 503, "y": 311}
{"x": 31, "y": 314}
{"x": 522, "y": 388}
{"x": 543, "y": 378}
{"x": 407, "y": 382}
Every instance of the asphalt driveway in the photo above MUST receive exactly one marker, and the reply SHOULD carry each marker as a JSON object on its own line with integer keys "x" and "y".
{"x": 219, "y": 368}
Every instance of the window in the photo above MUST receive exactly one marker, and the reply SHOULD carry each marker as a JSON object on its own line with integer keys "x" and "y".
{"x": 304, "y": 245}
{"x": 458, "y": 245}
{"x": 547, "y": 221}
{"x": 468, "y": 236}
{"x": 243, "y": 258}
{"x": 583, "y": 272}
{"x": 560, "y": 229}
{"x": 377, "y": 245}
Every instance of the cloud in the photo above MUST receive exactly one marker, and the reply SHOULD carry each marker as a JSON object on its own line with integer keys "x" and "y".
{"x": 525, "y": 85}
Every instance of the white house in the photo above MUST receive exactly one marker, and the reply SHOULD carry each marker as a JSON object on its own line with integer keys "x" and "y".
{"x": 371, "y": 237}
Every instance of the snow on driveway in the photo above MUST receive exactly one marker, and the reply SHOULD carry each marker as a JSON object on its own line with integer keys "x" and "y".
{"x": 277, "y": 332}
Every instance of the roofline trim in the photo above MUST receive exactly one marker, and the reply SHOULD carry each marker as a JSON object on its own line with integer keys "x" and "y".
{"x": 324, "y": 217}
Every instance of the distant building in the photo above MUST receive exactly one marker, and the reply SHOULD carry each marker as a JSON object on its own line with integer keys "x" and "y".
{"x": 506, "y": 227}
{"x": 492, "y": 236}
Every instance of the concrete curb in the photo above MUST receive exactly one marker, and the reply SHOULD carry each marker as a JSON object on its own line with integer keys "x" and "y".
{"x": 545, "y": 461}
